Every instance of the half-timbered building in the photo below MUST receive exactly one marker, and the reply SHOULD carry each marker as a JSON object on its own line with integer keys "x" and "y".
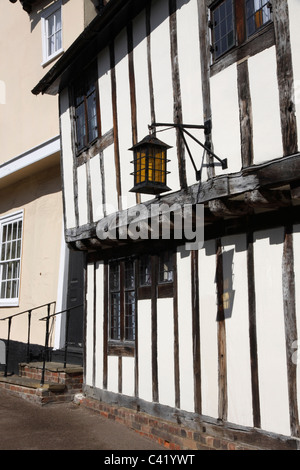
{"x": 167, "y": 107}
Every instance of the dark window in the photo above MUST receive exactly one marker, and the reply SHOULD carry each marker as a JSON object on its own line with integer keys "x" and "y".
{"x": 258, "y": 13}
{"x": 156, "y": 271}
{"x": 86, "y": 109}
{"x": 234, "y": 21}
{"x": 122, "y": 301}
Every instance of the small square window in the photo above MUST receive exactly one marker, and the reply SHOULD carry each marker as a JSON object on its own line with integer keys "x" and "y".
{"x": 233, "y": 22}
{"x": 86, "y": 106}
{"x": 52, "y": 32}
{"x": 258, "y": 13}
{"x": 223, "y": 28}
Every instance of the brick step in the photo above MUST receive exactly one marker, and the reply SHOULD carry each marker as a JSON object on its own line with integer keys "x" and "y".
{"x": 61, "y": 383}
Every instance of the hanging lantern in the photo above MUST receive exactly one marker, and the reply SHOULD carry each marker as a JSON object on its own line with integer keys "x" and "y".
{"x": 150, "y": 166}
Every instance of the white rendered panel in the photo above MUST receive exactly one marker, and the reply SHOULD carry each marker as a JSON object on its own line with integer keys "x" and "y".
{"x": 272, "y": 369}
{"x": 128, "y": 368}
{"x": 90, "y": 325}
{"x": 112, "y": 373}
{"x": 105, "y": 91}
{"x": 142, "y": 91}
{"x": 111, "y": 195}
{"x": 165, "y": 351}
{"x": 294, "y": 15}
{"x": 208, "y": 329}
{"x": 185, "y": 331}
{"x": 124, "y": 118}
{"x": 162, "y": 82}
{"x": 99, "y": 325}
{"x": 145, "y": 349}
{"x": 267, "y": 143}
{"x": 235, "y": 303}
{"x": 296, "y": 343}
{"x": 82, "y": 194}
{"x": 96, "y": 188}
{"x": 190, "y": 78}
{"x": 67, "y": 155}
{"x": 225, "y": 119}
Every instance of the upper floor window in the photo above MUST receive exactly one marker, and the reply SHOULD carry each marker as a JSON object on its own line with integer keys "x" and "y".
{"x": 52, "y": 32}
{"x": 235, "y": 21}
{"x": 10, "y": 258}
{"x": 86, "y": 108}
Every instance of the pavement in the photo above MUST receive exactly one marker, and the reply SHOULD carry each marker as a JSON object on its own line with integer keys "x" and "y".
{"x": 65, "y": 426}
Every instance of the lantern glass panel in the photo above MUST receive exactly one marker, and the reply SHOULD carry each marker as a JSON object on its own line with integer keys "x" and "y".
{"x": 140, "y": 166}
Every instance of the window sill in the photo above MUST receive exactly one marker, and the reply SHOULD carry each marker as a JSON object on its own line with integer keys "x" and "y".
{"x": 9, "y": 303}
{"x": 120, "y": 349}
{"x": 51, "y": 58}
{"x": 257, "y": 43}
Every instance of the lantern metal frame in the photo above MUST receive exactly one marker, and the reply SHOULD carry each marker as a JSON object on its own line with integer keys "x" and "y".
{"x": 183, "y": 130}
{"x": 150, "y": 179}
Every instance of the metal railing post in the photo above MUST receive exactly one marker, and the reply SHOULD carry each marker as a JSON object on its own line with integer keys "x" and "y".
{"x": 7, "y": 348}
{"x": 66, "y": 337}
{"x": 28, "y": 337}
{"x": 46, "y": 345}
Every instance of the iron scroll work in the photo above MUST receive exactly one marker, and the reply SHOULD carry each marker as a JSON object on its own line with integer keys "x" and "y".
{"x": 183, "y": 130}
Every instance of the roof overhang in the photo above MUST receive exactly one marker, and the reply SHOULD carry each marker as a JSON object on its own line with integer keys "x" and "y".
{"x": 97, "y": 35}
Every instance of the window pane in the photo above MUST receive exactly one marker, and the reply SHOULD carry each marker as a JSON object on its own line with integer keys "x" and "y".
{"x": 223, "y": 28}
{"x": 115, "y": 317}
{"x": 258, "y": 14}
{"x": 145, "y": 271}
{"x": 86, "y": 108}
{"x": 130, "y": 316}
{"x": 10, "y": 259}
{"x": 92, "y": 117}
{"x": 129, "y": 275}
{"x": 166, "y": 267}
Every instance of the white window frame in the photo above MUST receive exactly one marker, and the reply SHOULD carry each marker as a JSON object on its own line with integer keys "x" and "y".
{"x": 44, "y": 21}
{"x": 5, "y": 220}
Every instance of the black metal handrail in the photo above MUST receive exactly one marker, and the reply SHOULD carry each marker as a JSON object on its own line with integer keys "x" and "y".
{"x": 47, "y": 319}
{"x": 46, "y": 345}
{"x": 9, "y": 318}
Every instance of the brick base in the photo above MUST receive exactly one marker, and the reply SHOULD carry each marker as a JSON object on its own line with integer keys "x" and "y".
{"x": 170, "y": 435}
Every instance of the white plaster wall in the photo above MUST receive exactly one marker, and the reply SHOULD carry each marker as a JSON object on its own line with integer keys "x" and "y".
{"x": 165, "y": 351}
{"x": 111, "y": 195}
{"x": 208, "y": 329}
{"x": 162, "y": 83}
{"x": 82, "y": 194}
{"x": 89, "y": 324}
{"x": 145, "y": 345}
{"x": 142, "y": 92}
{"x": 67, "y": 159}
{"x": 272, "y": 370}
{"x": 237, "y": 330}
{"x": 294, "y": 15}
{"x": 185, "y": 334}
{"x": 96, "y": 188}
{"x": 190, "y": 78}
{"x": 128, "y": 368}
{"x": 267, "y": 143}
{"x": 225, "y": 119}
{"x": 296, "y": 354}
{"x": 104, "y": 84}
{"x": 112, "y": 374}
{"x": 99, "y": 325}
{"x": 124, "y": 118}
